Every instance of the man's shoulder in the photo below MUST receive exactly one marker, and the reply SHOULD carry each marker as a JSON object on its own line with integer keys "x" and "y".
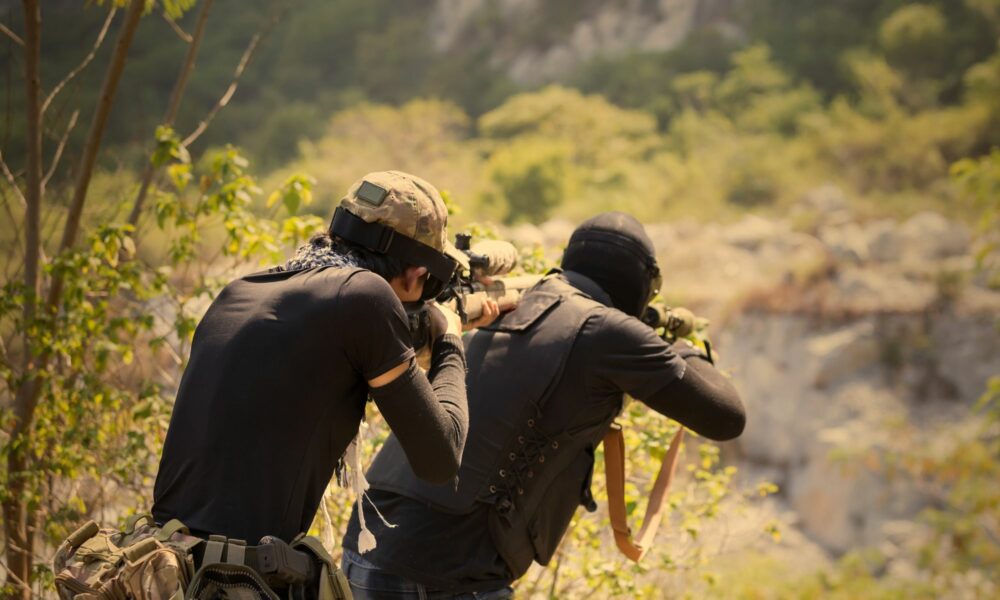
{"x": 610, "y": 327}
{"x": 364, "y": 292}
{"x": 362, "y": 283}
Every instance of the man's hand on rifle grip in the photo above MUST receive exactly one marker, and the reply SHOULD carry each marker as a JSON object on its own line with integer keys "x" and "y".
{"x": 491, "y": 310}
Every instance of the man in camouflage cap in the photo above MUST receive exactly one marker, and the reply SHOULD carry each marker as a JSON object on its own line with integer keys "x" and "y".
{"x": 402, "y": 216}
{"x": 283, "y": 362}
{"x": 404, "y": 202}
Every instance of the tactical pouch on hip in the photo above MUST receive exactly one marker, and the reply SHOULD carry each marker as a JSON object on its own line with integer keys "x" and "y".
{"x": 145, "y": 562}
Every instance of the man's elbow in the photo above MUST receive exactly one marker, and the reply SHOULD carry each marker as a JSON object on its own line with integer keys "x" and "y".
{"x": 735, "y": 426}
{"x": 728, "y": 427}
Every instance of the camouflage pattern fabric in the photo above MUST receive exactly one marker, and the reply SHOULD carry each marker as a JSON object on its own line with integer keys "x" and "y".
{"x": 404, "y": 202}
{"x": 142, "y": 562}
{"x": 145, "y": 562}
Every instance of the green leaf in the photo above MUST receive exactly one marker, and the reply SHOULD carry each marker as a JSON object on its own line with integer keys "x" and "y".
{"x": 180, "y": 175}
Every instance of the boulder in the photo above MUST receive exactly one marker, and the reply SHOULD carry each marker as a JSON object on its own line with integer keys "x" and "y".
{"x": 885, "y": 244}
{"x": 752, "y": 232}
{"x": 884, "y": 289}
{"x": 840, "y": 355}
{"x": 929, "y": 236}
{"x": 848, "y": 242}
{"x": 828, "y": 202}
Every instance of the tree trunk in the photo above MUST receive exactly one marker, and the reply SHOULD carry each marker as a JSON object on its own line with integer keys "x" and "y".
{"x": 175, "y": 102}
{"x": 17, "y": 515}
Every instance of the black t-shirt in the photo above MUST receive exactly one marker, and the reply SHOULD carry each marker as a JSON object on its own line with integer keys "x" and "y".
{"x": 614, "y": 353}
{"x": 273, "y": 393}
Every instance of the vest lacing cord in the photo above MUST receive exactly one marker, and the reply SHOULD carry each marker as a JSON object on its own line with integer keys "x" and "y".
{"x": 520, "y": 465}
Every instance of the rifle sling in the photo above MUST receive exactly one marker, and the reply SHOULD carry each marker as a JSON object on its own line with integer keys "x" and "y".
{"x": 614, "y": 470}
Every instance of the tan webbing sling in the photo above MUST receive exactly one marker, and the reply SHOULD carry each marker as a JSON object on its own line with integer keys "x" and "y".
{"x": 614, "y": 472}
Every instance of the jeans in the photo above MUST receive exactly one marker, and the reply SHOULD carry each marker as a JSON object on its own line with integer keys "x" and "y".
{"x": 369, "y": 582}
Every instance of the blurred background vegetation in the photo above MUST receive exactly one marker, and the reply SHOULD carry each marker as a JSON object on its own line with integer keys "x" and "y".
{"x": 756, "y": 102}
{"x": 532, "y": 113}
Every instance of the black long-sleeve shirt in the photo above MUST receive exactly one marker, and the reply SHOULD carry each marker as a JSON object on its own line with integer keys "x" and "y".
{"x": 275, "y": 389}
{"x": 614, "y": 354}
{"x": 431, "y": 419}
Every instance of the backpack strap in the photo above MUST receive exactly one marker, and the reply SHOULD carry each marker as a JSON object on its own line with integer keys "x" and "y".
{"x": 614, "y": 472}
{"x": 169, "y": 529}
{"x": 132, "y": 522}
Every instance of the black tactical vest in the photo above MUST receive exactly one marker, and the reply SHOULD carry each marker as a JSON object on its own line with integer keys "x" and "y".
{"x": 533, "y": 472}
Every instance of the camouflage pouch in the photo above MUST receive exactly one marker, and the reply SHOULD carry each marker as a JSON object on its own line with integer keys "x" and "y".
{"x": 141, "y": 562}
{"x": 145, "y": 562}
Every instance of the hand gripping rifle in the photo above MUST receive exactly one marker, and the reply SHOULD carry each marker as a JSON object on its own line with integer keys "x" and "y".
{"x": 490, "y": 260}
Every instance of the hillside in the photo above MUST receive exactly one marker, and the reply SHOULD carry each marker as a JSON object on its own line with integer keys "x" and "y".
{"x": 821, "y": 180}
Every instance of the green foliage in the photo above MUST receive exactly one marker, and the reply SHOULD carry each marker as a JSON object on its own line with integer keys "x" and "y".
{"x": 531, "y": 178}
{"x": 980, "y": 181}
{"x": 913, "y": 38}
{"x": 599, "y": 153}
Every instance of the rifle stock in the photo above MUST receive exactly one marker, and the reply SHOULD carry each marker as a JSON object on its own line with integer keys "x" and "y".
{"x": 507, "y": 292}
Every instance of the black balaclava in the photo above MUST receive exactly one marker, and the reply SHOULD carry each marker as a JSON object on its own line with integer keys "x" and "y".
{"x": 614, "y": 251}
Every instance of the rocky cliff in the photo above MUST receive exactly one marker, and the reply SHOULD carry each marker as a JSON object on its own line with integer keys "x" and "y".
{"x": 539, "y": 41}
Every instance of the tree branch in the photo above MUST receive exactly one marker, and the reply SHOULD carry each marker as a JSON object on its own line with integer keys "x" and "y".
{"x": 13, "y": 268}
{"x": 59, "y": 149}
{"x": 185, "y": 37}
{"x": 6, "y": 31}
{"x": 88, "y": 157}
{"x": 83, "y": 64}
{"x": 12, "y": 180}
{"x": 240, "y": 68}
{"x": 175, "y": 103}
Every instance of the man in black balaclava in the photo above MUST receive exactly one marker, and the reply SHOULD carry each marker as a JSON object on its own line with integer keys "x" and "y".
{"x": 545, "y": 383}
{"x": 613, "y": 250}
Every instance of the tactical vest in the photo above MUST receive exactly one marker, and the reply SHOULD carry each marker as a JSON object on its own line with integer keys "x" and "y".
{"x": 531, "y": 471}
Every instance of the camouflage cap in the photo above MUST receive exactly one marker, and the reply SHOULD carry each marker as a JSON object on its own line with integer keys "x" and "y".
{"x": 406, "y": 203}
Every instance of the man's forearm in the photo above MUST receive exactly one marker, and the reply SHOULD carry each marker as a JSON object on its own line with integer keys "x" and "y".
{"x": 704, "y": 400}
{"x": 447, "y": 377}
{"x": 430, "y": 420}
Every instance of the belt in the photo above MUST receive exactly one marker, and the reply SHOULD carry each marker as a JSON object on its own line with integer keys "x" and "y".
{"x": 272, "y": 558}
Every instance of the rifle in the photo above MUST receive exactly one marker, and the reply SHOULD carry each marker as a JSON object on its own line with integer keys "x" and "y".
{"x": 466, "y": 294}
{"x": 494, "y": 259}
{"x": 678, "y": 323}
